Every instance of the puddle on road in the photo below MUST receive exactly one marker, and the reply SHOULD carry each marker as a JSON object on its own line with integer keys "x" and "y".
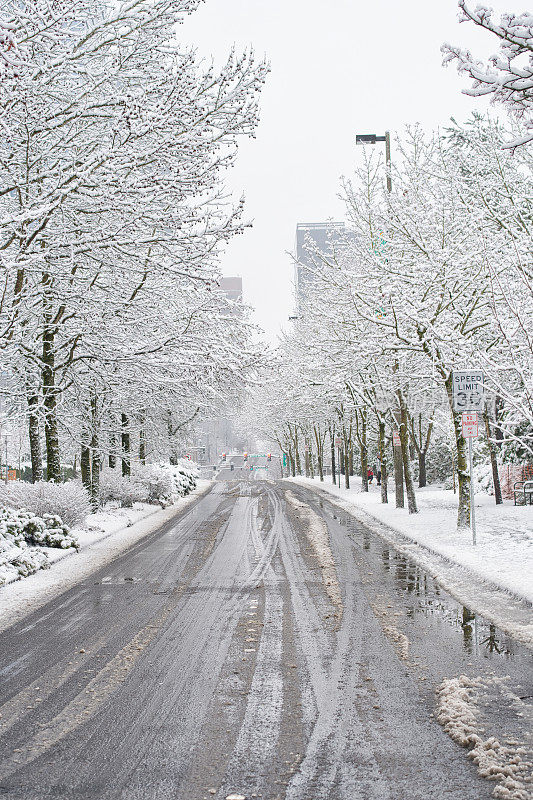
{"x": 422, "y": 596}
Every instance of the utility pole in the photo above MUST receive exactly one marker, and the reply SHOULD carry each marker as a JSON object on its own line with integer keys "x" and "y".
{"x": 388, "y": 161}
{"x": 372, "y": 138}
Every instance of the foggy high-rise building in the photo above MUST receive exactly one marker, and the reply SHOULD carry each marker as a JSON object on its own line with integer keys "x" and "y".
{"x": 322, "y": 236}
{"x": 232, "y": 288}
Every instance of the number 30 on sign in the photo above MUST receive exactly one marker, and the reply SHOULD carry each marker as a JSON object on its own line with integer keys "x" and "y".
{"x": 469, "y": 424}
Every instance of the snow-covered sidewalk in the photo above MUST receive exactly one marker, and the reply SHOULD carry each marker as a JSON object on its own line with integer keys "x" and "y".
{"x": 494, "y": 578}
{"x": 106, "y": 535}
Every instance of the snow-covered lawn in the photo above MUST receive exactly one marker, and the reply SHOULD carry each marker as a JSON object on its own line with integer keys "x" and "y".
{"x": 105, "y": 535}
{"x": 503, "y": 556}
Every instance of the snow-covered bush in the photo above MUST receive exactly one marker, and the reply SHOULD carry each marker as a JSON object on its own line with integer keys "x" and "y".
{"x": 19, "y": 561}
{"x": 19, "y": 531}
{"x": 22, "y": 526}
{"x": 483, "y": 481}
{"x": 116, "y": 488}
{"x": 185, "y": 476}
{"x": 164, "y": 483}
{"x": 155, "y": 484}
{"x": 69, "y": 501}
{"x": 150, "y": 483}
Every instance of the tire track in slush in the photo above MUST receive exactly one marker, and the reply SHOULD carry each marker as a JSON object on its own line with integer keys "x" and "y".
{"x": 256, "y": 745}
{"x": 114, "y": 674}
{"x": 333, "y": 672}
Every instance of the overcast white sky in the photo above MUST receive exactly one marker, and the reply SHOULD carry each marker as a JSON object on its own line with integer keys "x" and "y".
{"x": 338, "y": 68}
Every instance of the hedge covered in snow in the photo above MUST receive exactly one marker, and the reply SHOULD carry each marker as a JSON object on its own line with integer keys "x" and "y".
{"x": 69, "y": 501}
{"x": 153, "y": 483}
{"x": 20, "y": 532}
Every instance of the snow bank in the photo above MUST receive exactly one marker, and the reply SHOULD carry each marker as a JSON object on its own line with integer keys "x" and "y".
{"x": 502, "y": 559}
{"x": 107, "y": 535}
{"x": 507, "y": 764}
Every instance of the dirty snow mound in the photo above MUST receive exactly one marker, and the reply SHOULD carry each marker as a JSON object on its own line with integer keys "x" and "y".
{"x": 507, "y": 764}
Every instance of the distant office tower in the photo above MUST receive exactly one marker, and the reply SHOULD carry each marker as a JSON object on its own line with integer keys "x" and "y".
{"x": 322, "y": 235}
{"x": 232, "y": 288}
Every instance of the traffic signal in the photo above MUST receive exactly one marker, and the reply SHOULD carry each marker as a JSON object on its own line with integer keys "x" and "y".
{"x": 223, "y": 456}
{"x": 269, "y": 456}
{"x": 245, "y": 457}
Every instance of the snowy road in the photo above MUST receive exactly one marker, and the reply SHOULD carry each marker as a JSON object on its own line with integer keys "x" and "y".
{"x": 261, "y": 644}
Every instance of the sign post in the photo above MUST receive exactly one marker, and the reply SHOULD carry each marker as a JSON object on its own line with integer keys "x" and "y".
{"x": 468, "y": 390}
{"x": 470, "y": 429}
{"x": 469, "y": 398}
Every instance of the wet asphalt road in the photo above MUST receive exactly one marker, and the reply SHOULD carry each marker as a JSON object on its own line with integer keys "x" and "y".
{"x": 262, "y": 643}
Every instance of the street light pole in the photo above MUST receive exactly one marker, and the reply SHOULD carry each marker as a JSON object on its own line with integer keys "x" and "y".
{"x": 388, "y": 162}
{"x": 372, "y": 138}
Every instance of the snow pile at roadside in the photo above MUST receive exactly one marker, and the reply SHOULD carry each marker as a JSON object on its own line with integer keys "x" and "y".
{"x": 507, "y": 764}
{"x": 504, "y": 551}
{"x": 109, "y": 534}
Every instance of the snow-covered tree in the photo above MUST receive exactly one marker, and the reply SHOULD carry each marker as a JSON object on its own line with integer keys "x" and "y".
{"x": 114, "y": 211}
{"x": 507, "y": 78}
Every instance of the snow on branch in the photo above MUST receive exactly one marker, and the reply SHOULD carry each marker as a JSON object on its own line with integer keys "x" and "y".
{"x": 508, "y": 75}
{"x": 11, "y": 57}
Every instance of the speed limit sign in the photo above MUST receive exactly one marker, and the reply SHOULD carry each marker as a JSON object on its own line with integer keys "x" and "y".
{"x": 468, "y": 390}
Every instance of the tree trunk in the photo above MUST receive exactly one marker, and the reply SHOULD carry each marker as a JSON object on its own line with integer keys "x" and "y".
{"x": 383, "y": 460}
{"x": 398, "y": 469}
{"x": 112, "y": 456}
{"x": 35, "y": 440}
{"x": 85, "y": 467}
{"x": 346, "y": 468}
{"x": 292, "y": 462}
{"x": 404, "y": 439}
{"x": 95, "y": 455}
{"x": 332, "y": 443}
{"x": 319, "y": 453}
{"x": 53, "y": 463}
{"x": 95, "y": 472}
{"x": 493, "y": 462}
{"x": 422, "y": 478}
{"x": 363, "y": 452}
{"x": 297, "y": 458}
{"x": 420, "y": 444}
{"x": 173, "y": 455}
{"x": 126, "y": 464}
{"x": 499, "y": 406}
{"x": 142, "y": 446}
{"x": 463, "y": 475}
